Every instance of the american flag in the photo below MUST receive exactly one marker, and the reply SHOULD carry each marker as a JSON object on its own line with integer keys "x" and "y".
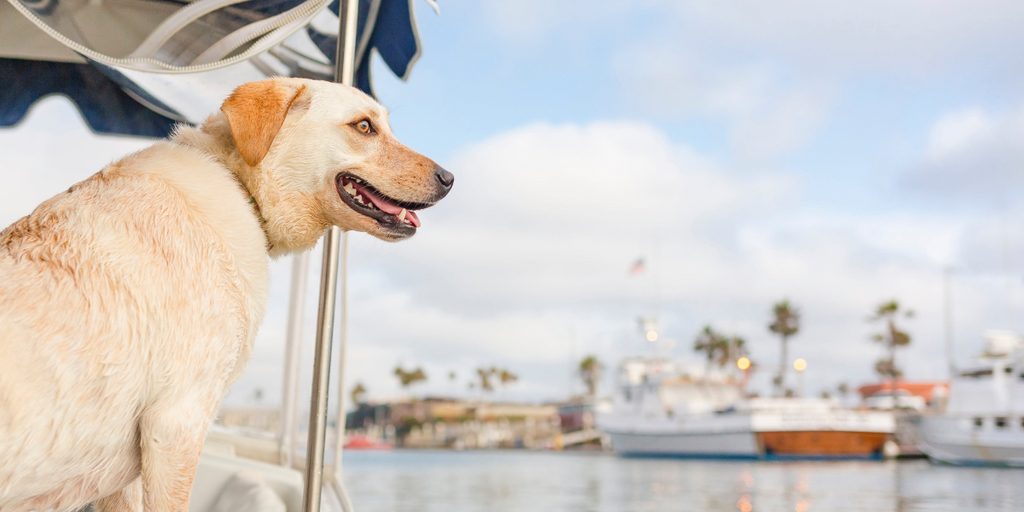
{"x": 638, "y": 267}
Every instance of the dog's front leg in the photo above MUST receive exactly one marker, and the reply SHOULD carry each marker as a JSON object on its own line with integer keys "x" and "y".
{"x": 172, "y": 440}
{"x": 128, "y": 499}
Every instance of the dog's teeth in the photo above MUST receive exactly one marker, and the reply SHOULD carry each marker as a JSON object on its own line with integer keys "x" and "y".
{"x": 350, "y": 189}
{"x": 360, "y": 199}
{"x": 401, "y": 216}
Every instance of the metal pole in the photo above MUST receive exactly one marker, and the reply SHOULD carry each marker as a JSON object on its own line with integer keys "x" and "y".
{"x": 340, "y": 441}
{"x": 336, "y": 480}
{"x": 292, "y": 353}
{"x": 948, "y": 295}
{"x": 344, "y": 72}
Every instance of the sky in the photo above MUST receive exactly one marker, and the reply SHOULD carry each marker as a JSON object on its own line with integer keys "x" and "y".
{"x": 835, "y": 154}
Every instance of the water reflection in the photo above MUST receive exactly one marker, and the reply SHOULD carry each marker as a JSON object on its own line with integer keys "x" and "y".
{"x": 411, "y": 481}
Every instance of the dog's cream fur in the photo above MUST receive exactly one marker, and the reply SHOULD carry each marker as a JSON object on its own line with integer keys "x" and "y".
{"x": 129, "y": 303}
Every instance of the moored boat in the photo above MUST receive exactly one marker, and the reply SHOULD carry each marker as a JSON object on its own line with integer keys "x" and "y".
{"x": 983, "y": 421}
{"x": 818, "y": 428}
{"x": 663, "y": 409}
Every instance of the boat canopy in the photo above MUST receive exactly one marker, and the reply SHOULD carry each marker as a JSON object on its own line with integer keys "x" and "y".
{"x": 137, "y": 67}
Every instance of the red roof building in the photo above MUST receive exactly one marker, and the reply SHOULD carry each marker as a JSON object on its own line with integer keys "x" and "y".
{"x": 924, "y": 389}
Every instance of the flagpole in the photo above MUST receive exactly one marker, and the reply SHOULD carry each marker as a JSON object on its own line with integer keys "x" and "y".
{"x": 292, "y": 353}
{"x": 344, "y": 73}
{"x": 947, "y": 293}
{"x": 339, "y": 442}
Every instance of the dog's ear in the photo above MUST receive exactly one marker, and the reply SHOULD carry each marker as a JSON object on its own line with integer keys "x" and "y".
{"x": 255, "y": 113}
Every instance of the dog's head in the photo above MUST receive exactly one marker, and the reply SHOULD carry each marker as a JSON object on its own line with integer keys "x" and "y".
{"x": 315, "y": 154}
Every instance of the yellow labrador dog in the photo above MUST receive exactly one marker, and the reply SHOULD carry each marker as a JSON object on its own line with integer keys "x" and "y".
{"x": 129, "y": 303}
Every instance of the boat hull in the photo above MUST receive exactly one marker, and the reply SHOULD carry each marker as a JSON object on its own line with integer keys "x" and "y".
{"x": 710, "y": 436}
{"x": 956, "y": 441}
{"x": 776, "y": 428}
{"x": 821, "y": 444}
{"x": 727, "y": 445}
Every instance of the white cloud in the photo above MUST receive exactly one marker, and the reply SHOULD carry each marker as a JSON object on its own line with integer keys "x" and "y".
{"x": 771, "y": 71}
{"x": 957, "y": 131}
{"x": 530, "y": 22}
{"x": 767, "y": 114}
{"x": 674, "y": 78}
{"x": 784, "y": 125}
{"x": 905, "y": 38}
{"x": 914, "y": 36}
{"x": 973, "y": 154}
{"x": 910, "y": 34}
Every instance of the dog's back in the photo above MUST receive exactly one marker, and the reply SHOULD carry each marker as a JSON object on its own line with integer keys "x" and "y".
{"x": 95, "y": 329}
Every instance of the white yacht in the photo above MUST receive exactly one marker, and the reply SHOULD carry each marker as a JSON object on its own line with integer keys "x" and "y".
{"x": 663, "y": 409}
{"x": 660, "y": 408}
{"x": 983, "y": 421}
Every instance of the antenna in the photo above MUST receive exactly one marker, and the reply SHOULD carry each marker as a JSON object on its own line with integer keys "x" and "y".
{"x": 947, "y": 292}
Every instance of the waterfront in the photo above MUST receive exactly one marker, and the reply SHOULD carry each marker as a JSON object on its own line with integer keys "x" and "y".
{"x": 498, "y": 481}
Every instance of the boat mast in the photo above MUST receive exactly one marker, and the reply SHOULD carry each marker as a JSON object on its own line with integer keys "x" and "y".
{"x": 344, "y": 73}
{"x": 948, "y": 310}
{"x": 292, "y": 356}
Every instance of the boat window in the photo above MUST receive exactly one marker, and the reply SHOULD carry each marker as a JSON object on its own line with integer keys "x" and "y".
{"x": 1009, "y": 369}
{"x": 979, "y": 422}
{"x": 1001, "y": 422}
{"x": 978, "y": 373}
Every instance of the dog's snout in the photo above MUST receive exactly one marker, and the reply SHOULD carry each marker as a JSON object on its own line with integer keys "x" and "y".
{"x": 445, "y": 178}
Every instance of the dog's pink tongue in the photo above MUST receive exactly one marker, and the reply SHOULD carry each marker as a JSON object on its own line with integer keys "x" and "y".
{"x": 392, "y": 209}
{"x": 411, "y": 216}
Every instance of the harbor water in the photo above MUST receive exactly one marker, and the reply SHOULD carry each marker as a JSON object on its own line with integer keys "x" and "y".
{"x": 497, "y": 481}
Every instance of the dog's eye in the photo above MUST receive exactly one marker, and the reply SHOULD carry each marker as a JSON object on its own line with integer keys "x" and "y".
{"x": 364, "y": 126}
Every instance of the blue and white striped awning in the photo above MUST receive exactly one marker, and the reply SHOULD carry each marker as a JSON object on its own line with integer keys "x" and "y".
{"x": 135, "y": 67}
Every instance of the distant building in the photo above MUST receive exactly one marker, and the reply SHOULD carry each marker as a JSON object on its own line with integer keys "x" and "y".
{"x": 458, "y": 424}
{"x": 930, "y": 391}
{"x": 576, "y": 414}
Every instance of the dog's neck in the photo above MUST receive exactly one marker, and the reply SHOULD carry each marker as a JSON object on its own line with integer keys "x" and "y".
{"x": 285, "y": 228}
{"x": 256, "y": 208}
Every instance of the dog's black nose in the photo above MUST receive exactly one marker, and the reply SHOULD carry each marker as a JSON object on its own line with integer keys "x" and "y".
{"x": 445, "y": 178}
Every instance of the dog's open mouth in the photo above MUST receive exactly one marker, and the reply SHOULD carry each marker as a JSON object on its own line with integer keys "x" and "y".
{"x": 363, "y": 198}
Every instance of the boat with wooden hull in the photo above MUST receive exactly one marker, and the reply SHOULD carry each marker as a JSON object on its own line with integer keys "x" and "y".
{"x": 818, "y": 428}
{"x": 662, "y": 410}
{"x": 821, "y": 444}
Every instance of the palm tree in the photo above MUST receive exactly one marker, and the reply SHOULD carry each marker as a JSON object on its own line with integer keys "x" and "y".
{"x": 485, "y": 379}
{"x": 590, "y": 372}
{"x": 711, "y": 344}
{"x": 890, "y": 337}
{"x": 732, "y": 349}
{"x": 506, "y": 377}
{"x": 358, "y": 393}
{"x": 408, "y": 378}
{"x": 786, "y": 323}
